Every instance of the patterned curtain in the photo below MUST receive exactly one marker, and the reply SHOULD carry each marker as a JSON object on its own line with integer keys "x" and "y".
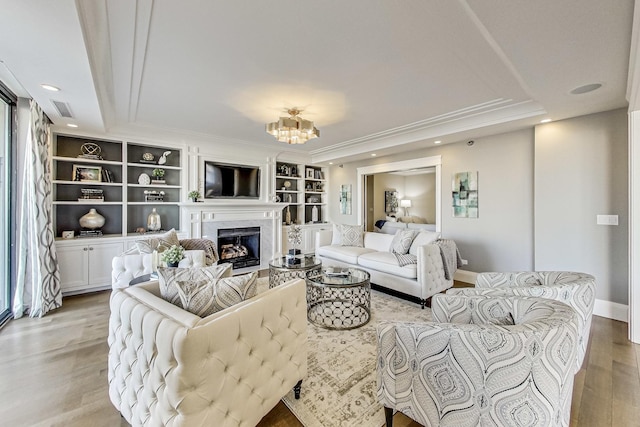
{"x": 38, "y": 287}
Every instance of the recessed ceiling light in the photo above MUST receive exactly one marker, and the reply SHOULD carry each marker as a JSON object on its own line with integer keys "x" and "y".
{"x": 545, "y": 120}
{"x": 586, "y": 88}
{"x": 437, "y": 142}
{"x": 72, "y": 125}
{"x": 373, "y": 154}
{"x": 330, "y": 163}
{"x": 49, "y": 87}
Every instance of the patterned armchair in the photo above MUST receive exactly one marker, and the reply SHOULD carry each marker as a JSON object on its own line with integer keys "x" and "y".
{"x": 577, "y": 290}
{"x": 469, "y": 367}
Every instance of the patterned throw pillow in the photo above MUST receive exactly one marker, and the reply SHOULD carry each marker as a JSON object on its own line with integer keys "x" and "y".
{"x": 402, "y": 241}
{"x": 205, "y": 297}
{"x": 351, "y": 235}
{"x": 169, "y": 277}
{"x": 158, "y": 243}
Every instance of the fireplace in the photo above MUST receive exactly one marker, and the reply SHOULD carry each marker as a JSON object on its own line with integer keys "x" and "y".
{"x": 239, "y": 246}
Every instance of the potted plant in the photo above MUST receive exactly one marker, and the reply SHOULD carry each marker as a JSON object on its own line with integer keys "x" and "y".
{"x": 173, "y": 255}
{"x": 194, "y": 195}
{"x": 158, "y": 175}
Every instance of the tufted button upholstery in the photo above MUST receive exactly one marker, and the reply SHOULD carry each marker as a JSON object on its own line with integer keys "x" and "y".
{"x": 168, "y": 367}
{"x": 125, "y": 268}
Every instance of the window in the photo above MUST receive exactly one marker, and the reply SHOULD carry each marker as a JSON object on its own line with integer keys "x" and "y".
{"x": 7, "y": 201}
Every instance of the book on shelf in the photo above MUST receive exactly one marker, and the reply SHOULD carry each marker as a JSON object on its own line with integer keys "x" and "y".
{"x": 91, "y": 199}
{"x": 90, "y": 233}
{"x": 107, "y": 176}
{"x": 158, "y": 181}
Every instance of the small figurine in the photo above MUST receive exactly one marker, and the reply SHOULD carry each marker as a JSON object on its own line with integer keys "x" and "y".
{"x": 163, "y": 159}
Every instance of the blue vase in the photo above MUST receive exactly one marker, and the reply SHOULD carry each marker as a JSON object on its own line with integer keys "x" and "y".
{"x": 172, "y": 264}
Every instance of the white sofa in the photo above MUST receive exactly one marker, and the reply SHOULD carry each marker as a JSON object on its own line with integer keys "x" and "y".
{"x": 168, "y": 367}
{"x": 421, "y": 280}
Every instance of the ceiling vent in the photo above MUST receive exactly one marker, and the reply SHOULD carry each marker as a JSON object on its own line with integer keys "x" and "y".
{"x": 63, "y": 108}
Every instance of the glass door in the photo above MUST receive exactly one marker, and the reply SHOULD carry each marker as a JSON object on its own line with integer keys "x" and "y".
{"x": 7, "y": 115}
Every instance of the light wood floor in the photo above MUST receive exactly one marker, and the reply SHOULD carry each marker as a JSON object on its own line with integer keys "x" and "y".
{"x": 53, "y": 372}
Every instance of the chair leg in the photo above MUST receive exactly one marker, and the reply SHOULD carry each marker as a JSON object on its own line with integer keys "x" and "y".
{"x": 296, "y": 389}
{"x": 388, "y": 416}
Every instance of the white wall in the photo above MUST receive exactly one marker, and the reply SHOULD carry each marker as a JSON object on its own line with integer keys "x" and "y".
{"x": 580, "y": 172}
{"x": 502, "y": 237}
{"x": 578, "y": 168}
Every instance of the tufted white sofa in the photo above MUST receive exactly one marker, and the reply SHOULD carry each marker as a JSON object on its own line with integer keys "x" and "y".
{"x": 125, "y": 268}
{"x": 462, "y": 369}
{"x": 168, "y": 367}
{"x": 421, "y": 280}
{"x": 578, "y": 290}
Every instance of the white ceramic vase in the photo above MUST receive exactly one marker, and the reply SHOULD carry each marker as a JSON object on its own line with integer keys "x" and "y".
{"x": 92, "y": 220}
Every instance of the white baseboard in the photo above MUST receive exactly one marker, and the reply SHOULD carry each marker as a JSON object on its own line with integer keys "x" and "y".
{"x": 465, "y": 276}
{"x": 611, "y": 310}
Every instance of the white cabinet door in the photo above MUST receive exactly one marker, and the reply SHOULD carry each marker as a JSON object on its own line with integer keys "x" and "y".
{"x": 73, "y": 262}
{"x": 86, "y": 267}
{"x": 100, "y": 256}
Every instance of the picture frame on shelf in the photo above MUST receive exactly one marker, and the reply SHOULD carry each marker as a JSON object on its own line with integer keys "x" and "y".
{"x": 310, "y": 173}
{"x": 86, "y": 173}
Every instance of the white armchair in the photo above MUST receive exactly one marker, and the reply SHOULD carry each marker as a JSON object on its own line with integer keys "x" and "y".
{"x": 168, "y": 367}
{"x": 462, "y": 369}
{"x": 125, "y": 268}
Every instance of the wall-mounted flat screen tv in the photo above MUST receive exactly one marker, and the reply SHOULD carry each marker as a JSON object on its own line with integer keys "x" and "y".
{"x": 228, "y": 181}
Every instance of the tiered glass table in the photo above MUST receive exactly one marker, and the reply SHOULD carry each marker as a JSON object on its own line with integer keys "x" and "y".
{"x": 338, "y": 298}
{"x": 281, "y": 271}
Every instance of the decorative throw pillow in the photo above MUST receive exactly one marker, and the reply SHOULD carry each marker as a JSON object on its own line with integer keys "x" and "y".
{"x": 168, "y": 278}
{"x": 402, "y": 241}
{"x": 352, "y": 235}
{"x": 423, "y": 238}
{"x": 203, "y": 297}
{"x": 336, "y": 238}
{"x": 158, "y": 242}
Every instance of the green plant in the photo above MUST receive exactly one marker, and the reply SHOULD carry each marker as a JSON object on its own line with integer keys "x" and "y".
{"x": 194, "y": 194}
{"x": 158, "y": 173}
{"x": 172, "y": 255}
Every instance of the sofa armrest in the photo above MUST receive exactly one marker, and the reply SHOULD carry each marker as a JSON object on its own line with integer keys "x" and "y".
{"x": 431, "y": 270}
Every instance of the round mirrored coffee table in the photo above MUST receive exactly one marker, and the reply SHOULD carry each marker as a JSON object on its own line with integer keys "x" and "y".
{"x": 338, "y": 298}
{"x": 280, "y": 270}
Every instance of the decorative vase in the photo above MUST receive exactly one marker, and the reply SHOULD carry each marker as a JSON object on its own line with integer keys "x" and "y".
{"x": 153, "y": 221}
{"x": 172, "y": 264}
{"x": 287, "y": 216}
{"x": 314, "y": 214}
{"x": 91, "y": 220}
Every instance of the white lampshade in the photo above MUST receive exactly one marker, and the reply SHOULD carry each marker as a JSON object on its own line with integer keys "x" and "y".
{"x": 405, "y": 203}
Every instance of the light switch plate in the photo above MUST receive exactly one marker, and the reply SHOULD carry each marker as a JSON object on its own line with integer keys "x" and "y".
{"x": 607, "y": 219}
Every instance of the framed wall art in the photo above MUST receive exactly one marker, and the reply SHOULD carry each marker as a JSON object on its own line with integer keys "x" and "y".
{"x": 465, "y": 194}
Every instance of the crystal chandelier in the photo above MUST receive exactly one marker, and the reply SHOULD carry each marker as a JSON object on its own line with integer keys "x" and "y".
{"x": 294, "y": 129}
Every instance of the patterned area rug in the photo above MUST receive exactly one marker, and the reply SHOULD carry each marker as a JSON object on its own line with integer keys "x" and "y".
{"x": 340, "y": 388}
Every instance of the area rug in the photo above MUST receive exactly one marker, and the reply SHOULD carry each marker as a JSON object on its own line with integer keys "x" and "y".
{"x": 340, "y": 388}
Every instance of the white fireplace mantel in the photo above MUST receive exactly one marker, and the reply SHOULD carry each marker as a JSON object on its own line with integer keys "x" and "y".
{"x": 201, "y": 220}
